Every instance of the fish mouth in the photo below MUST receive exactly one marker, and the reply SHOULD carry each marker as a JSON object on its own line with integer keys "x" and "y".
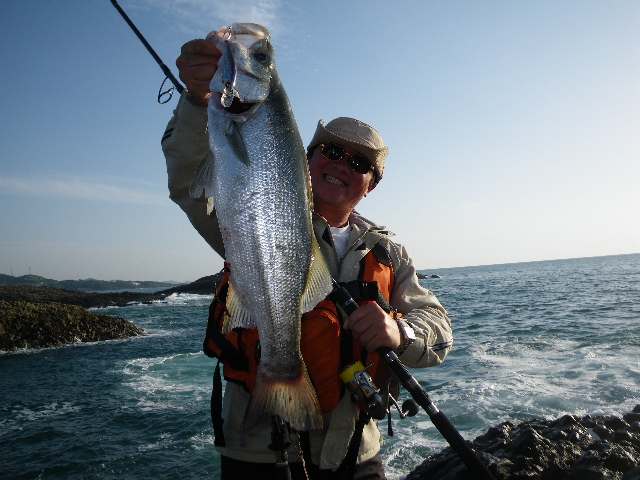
{"x": 237, "y": 107}
{"x": 334, "y": 180}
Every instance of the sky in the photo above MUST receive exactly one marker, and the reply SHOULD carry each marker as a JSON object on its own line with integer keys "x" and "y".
{"x": 513, "y": 126}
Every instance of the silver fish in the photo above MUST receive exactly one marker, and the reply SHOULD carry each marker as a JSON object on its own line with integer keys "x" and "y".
{"x": 258, "y": 177}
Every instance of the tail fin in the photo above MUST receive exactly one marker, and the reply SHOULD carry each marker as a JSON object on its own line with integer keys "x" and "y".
{"x": 294, "y": 400}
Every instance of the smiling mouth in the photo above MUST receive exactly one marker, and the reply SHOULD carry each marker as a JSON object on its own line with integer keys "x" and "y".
{"x": 334, "y": 180}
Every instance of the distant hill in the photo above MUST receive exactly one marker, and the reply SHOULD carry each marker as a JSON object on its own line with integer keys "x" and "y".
{"x": 90, "y": 284}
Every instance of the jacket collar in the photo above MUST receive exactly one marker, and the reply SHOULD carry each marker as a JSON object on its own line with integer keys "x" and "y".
{"x": 363, "y": 237}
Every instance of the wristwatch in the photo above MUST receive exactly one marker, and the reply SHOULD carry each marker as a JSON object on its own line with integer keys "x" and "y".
{"x": 407, "y": 336}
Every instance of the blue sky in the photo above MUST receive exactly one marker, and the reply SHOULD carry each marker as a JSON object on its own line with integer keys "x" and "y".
{"x": 513, "y": 126}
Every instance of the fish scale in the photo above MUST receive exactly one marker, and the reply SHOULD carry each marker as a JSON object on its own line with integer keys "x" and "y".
{"x": 258, "y": 177}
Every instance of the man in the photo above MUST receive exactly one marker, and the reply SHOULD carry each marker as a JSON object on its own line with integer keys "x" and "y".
{"x": 346, "y": 161}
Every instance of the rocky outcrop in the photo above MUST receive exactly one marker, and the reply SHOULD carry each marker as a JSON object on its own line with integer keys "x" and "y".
{"x": 203, "y": 286}
{"x": 569, "y": 448}
{"x": 424, "y": 277}
{"x": 34, "y": 294}
{"x": 39, "y": 325}
{"x": 38, "y": 317}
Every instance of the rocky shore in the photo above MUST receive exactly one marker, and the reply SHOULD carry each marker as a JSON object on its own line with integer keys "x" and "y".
{"x": 33, "y": 294}
{"x": 203, "y": 286}
{"x": 39, "y": 317}
{"x": 569, "y": 448}
{"x": 40, "y": 325}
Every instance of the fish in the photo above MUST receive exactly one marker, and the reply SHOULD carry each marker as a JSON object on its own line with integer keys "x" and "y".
{"x": 257, "y": 179}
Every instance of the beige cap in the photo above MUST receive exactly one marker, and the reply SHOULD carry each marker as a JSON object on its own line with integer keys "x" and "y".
{"x": 357, "y": 135}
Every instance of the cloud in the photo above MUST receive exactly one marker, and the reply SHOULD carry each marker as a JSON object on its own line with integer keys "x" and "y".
{"x": 198, "y": 16}
{"x": 80, "y": 188}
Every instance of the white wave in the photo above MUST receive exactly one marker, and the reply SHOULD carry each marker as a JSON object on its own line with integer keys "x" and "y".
{"x": 165, "y": 440}
{"x": 202, "y": 441}
{"x": 167, "y": 382}
{"x": 413, "y": 441}
{"x": 16, "y": 419}
{"x": 186, "y": 299}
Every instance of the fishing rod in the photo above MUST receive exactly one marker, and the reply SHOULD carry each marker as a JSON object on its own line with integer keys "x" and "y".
{"x": 420, "y": 395}
{"x": 178, "y": 86}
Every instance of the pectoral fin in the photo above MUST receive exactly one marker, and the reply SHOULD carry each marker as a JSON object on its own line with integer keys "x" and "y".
{"x": 236, "y": 142}
{"x": 203, "y": 177}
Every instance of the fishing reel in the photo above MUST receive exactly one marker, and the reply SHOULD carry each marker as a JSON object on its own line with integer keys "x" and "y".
{"x": 368, "y": 396}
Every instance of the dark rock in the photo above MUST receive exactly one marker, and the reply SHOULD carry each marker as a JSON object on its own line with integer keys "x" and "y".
{"x": 631, "y": 417}
{"x": 497, "y": 438}
{"x": 423, "y": 276}
{"x": 40, "y": 325}
{"x": 528, "y": 444}
{"x": 615, "y": 422}
{"x": 602, "y": 431}
{"x": 203, "y": 286}
{"x": 633, "y": 474}
{"x": 568, "y": 448}
{"x": 33, "y": 294}
{"x": 587, "y": 472}
{"x": 622, "y": 436}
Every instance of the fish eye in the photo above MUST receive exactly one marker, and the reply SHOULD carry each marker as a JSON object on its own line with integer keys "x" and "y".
{"x": 261, "y": 56}
{"x": 260, "y": 51}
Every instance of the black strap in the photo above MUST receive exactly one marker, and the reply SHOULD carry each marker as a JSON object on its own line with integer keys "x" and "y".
{"x": 348, "y": 465}
{"x": 216, "y": 408}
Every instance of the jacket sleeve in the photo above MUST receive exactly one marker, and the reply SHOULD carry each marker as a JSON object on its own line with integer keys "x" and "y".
{"x": 422, "y": 310}
{"x": 185, "y": 143}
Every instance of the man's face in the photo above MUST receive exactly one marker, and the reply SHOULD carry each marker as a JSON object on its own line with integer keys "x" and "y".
{"x": 335, "y": 184}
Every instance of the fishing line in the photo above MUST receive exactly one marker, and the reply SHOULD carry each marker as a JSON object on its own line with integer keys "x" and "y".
{"x": 169, "y": 92}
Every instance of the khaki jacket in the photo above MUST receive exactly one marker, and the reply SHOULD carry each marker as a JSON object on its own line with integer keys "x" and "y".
{"x": 185, "y": 143}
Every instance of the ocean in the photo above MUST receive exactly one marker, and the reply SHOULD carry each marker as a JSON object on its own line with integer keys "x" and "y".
{"x": 539, "y": 339}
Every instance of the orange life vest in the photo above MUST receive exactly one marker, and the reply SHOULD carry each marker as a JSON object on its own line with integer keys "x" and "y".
{"x": 326, "y": 348}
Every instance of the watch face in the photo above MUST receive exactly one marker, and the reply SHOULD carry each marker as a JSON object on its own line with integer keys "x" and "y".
{"x": 409, "y": 333}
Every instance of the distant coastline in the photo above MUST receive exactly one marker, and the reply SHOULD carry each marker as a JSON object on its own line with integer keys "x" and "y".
{"x": 524, "y": 262}
{"x": 89, "y": 284}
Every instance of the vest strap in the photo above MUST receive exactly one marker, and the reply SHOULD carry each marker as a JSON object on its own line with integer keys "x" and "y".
{"x": 348, "y": 465}
{"x": 216, "y": 408}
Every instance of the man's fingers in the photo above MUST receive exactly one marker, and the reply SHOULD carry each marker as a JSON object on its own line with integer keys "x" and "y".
{"x": 202, "y": 47}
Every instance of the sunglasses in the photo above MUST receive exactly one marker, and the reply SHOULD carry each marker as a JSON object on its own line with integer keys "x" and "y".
{"x": 358, "y": 163}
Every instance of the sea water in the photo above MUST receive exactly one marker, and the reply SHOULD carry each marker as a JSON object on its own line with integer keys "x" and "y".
{"x": 539, "y": 339}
